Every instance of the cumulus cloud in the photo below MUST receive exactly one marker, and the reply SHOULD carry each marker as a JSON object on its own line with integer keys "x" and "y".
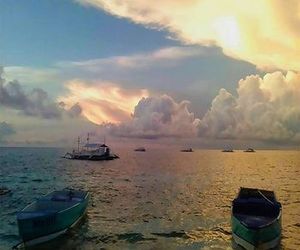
{"x": 35, "y": 103}
{"x": 156, "y": 117}
{"x": 100, "y": 102}
{"x": 6, "y": 129}
{"x": 265, "y": 33}
{"x": 265, "y": 108}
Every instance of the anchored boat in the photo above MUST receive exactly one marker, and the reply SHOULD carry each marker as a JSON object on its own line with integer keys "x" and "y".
{"x": 256, "y": 219}
{"x": 249, "y": 150}
{"x": 50, "y": 216}
{"x": 140, "y": 149}
{"x": 91, "y": 152}
{"x": 188, "y": 150}
{"x": 228, "y": 150}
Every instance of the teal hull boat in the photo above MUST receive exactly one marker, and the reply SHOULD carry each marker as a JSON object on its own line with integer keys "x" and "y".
{"x": 256, "y": 219}
{"x": 51, "y": 216}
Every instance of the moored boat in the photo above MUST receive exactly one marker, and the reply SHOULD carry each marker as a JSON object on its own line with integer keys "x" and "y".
{"x": 249, "y": 150}
{"x": 256, "y": 219}
{"x": 228, "y": 150}
{"x": 140, "y": 149}
{"x": 188, "y": 150}
{"x": 91, "y": 152}
{"x": 51, "y": 215}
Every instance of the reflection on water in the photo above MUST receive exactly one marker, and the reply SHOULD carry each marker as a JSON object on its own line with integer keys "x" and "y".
{"x": 155, "y": 200}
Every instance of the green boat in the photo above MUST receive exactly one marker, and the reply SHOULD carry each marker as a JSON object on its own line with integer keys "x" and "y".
{"x": 50, "y": 216}
{"x": 256, "y": 219}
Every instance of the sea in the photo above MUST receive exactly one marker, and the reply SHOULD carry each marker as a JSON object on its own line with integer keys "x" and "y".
{"x": 158, "y": 199}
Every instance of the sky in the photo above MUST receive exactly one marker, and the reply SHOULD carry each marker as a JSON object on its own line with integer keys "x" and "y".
{"x": 202, "y": 73}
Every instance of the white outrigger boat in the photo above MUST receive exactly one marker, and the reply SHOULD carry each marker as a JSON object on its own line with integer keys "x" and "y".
{"x": 91, "y": 152}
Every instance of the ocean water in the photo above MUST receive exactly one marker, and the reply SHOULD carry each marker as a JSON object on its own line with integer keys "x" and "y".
{"x": 160, "y": 199}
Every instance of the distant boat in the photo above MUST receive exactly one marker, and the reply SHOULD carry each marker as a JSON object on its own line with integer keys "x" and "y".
{"x": 249, "y": 150}
{"x": 229, "y": 150}
{"x": 187, "y": 150}
{"x": 256, "y": 219}
{"x": 91, "y": 152}
{"x": 51, "y": 216}
{"x": 140, "y": 149}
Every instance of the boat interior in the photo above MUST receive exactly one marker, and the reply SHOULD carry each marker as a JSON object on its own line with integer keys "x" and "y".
{"x": 256, "y": 208}
{"x": 54, "y": 202}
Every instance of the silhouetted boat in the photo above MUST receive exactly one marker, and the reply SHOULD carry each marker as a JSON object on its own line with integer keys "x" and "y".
{"x": 140, "y": 149}
{"x": 256, "y": 219}
{"x": 50, "y": 216}
{"x": 249, "y": 150}
{"x": 187, "y": 150}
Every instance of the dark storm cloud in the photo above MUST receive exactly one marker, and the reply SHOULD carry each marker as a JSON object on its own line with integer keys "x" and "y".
{"x": 35, "y": 103}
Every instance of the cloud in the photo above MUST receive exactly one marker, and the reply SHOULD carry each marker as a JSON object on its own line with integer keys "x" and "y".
{"x": 266, "y": 109}
{"x": 75, "y": 110}
{"x": 156, "y": 117}
{"x": 6, "y": 129}
{"x": 265, "y": 33}
{"x": 167, "y": 57}
{"x": 31, "y": 75}
{"x": 100, "y": 101}
{"x": 35, "y": 103}
{"x": 183, "y": 72}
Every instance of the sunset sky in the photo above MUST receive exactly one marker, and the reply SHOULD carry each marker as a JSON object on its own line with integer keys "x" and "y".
{"x": 208, "y": 73}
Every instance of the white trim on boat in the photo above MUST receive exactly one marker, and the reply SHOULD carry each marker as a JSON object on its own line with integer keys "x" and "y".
{"x": 248, "y": 246}
{"x": 79, "y": 218}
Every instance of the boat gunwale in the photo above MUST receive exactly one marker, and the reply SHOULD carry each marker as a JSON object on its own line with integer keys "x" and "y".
{"x": 274, "y": 242}
{"x": 277, "y": 218}
{"x": 258, "y": 230}
{"x": 265, "y": 197}
{"x": 54, "y": 212}
{"x": 32, "y": 241}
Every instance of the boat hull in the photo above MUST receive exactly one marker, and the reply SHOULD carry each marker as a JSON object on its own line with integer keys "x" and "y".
{"x": 103, "y": 158}
{"x": 44, "y": 228}
{"x": 91, "y": 157}
{"x": 261, "y": 238}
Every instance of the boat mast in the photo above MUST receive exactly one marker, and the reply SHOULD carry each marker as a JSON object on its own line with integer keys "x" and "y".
{"x": 78, "y": 143}
{"x": 88, "y": 140}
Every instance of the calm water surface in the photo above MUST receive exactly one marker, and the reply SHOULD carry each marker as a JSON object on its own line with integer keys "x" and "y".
{"x": 152, "y": 200}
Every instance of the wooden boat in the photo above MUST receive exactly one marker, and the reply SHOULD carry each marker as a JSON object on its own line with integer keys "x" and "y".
{"x": 50, "y": 216}
{"x": 256, "y": 219}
